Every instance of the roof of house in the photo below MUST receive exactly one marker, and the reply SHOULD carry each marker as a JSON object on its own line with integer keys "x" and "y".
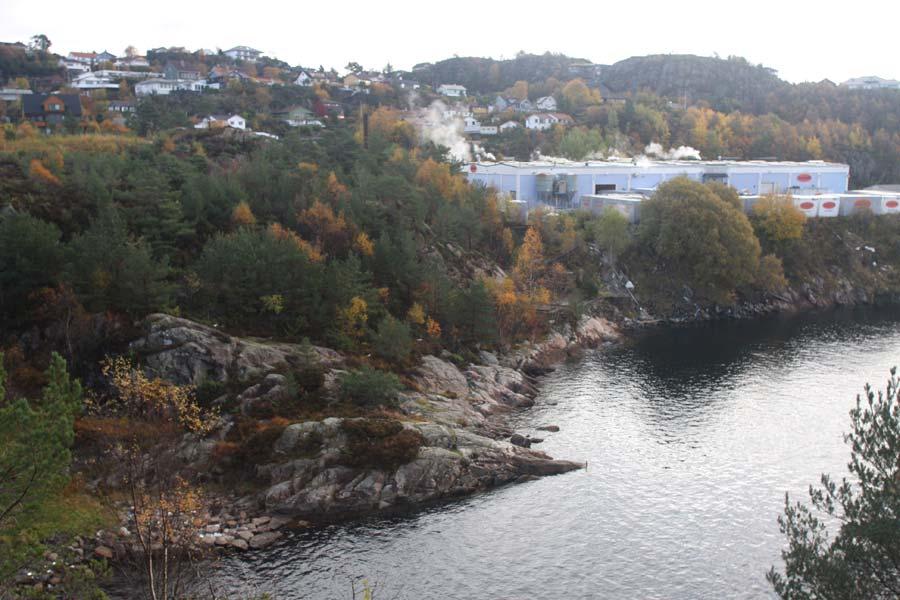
{"x": 83, "y": 54}
{"x": 452, "y": 86}
{"x": 244, "y": 49}
{"x": 33, "y": 105}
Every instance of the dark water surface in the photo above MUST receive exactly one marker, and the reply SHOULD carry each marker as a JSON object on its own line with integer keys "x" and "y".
{"x": 692, "y": 437}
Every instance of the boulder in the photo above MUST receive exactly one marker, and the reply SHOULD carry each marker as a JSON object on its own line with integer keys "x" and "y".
{"x": 261, "y": 540}
{"x": 520, "y": 440}
{"x": 551, "y": 428}
{"x": 103, "y": 552}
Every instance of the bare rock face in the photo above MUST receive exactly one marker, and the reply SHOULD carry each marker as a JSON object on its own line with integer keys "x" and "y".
{"x": 186, "y": 352}
{"x": 451, "y": 462}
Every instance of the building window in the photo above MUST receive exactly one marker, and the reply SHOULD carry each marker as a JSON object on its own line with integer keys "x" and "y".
{"x": 599, "y": 188}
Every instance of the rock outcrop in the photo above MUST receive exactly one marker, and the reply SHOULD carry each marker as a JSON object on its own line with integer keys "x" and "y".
{"x": 450, "y": 462}
{"x": 186, "y": 352}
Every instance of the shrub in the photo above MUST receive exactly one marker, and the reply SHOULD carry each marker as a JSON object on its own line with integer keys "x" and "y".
{"x": 369, "y": 387}
{"x": 380, "y": 443}
{"x": 393, "y": 341}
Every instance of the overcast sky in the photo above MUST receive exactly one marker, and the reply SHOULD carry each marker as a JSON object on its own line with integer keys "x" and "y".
{"x": 802, "y": 40}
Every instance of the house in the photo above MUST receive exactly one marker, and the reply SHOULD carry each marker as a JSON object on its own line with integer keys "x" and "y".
{"x": 502, "y": 104}
{"x": 303, "y": 78}
{"x": 471, "y": 125}
{"x": 245, "y": 53}
{"x": 488, "y": 130}
{"x": 508, "y": 125}
{"x": 92, "y": 81}
{"x": 133, "y": 62}
{"x": 13, "y": 94}
{"x": 164, "y": 87}
{"x": 122, "y": 106}
{"x": 356, "y": 80}
{"x": 543, "y": 121}
{"x": 301, "y": 117}
{"x": 51, "y": 109}
{"x": 221, "y": 121}
{"x": 112, "y": 74}
{"x": 179, "y": 69}
{"x": 105, "y": 57}
{"x": 452, "y": 90}
{"x": 85, "y": 58}
{"x": 547, "y": 103}
{"x": 74, "y": 65}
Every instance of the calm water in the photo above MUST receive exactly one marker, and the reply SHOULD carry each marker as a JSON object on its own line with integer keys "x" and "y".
{"x": 692, "y": 438}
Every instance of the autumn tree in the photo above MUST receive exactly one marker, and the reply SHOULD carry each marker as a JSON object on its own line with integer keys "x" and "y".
{"x": 699, "y": 240}
{"x": 776, "y": 219}
{"x": 610, "y": 231}
{"x": 530, "y": 267}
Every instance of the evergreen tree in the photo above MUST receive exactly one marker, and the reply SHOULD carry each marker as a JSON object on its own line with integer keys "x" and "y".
{"x": 30, "y": 258}
{"x": 862, "y": 561}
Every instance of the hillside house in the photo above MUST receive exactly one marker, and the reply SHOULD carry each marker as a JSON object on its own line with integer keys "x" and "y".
{"x": 299, "y": 116}
{"x": 93, "y": 81}
{"x": 45, "y": 110}
{"x": 74, "y": 65}
{"x": 133, "y": 62}
{"x": 105, "y": 57}
{"x": 509, "y": 125}
{"x": 221, "y": 121}
{"x": 13, "y": 94}
{"x": 471, "y": 125}
{"x": 304, "y": 78}
{"x": 85, "y": 58}
{"x": 122, "y": 106}
{"x": 502, "y": 104}
{"x": 164, "y": 87}
{"x": 182, "y": 70}
{"x": 452, "y": 90}
{"x": 245, "y": 53}
{"x": 546, "y": 103}
{"x": 356, "y": 80}
{"x": 544, "y": 121}
{"x": 488, "y": 130}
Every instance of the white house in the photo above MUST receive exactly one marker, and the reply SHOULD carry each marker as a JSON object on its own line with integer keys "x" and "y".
{"x": 471, "y": 125}
{"x": 543, "y": 121}
{"x": 546, "y": 103}
{"x": 244, "y": 53}
{"x": 93, "y": 81}
{"x": 452, "y": 90}
{"x": 871, "y": 83}
{"x": 508, "y": 126}
{"x": 304, "y": 79}
{"x": 74, "y": 65}
{"x": 215, "y": 121}
{"x": 488, "y": 130}
{"x": 132, "y": 62}
{"x": 164, "y": 87}
{"x": 13, "y": 94}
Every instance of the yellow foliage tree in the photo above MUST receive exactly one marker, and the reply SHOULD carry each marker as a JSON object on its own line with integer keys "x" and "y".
{"x": 281, "y": 233}
{"x": 363, "y": 244}
{"x": 529, "y": 268}
{"x": 778, "y": 219}
{"x": 242, "y": 216}
{"x": 353, "y": 319}
{"x": 416, "y": 314}
{"x": 37, "y": 171}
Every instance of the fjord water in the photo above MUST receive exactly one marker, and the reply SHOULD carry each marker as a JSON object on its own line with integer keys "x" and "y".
{"x": 691, "y": 435}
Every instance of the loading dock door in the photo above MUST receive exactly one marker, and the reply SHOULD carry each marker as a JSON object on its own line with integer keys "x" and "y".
{"x": 600, "y": 188}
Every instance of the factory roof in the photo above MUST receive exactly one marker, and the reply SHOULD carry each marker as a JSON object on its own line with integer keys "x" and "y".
{"x": 648, "y": 163}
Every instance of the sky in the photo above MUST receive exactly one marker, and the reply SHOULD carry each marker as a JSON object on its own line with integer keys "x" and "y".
{"x": 802, "y": 40}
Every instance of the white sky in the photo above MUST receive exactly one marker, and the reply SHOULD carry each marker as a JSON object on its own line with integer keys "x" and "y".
{"x": 803, "y": 40}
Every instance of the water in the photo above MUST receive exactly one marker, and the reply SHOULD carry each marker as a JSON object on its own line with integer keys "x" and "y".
{"x": 692, "y": 437}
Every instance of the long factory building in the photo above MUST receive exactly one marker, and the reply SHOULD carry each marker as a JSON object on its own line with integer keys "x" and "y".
{"x": 818, "y": 188}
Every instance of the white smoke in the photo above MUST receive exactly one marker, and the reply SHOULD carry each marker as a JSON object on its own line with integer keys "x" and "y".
{"x": 444, "y": 126}
{"x": 656, "y": 150}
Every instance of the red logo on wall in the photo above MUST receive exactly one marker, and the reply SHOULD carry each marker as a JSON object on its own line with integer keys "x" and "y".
{"x": 804, "y": 177}
{"x": 807, "y": 205}
{"x": 828, "y": 204}
{"x": 473, "y": 167}
{"x": 862, "y": 203}
{"x": 892, "y": 204}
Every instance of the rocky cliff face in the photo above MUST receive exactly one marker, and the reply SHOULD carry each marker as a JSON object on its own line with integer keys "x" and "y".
{"x": 315, "y": 469}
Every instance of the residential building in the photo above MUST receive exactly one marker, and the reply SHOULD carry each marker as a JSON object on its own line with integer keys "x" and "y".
{"x": 122, "y": 106}
{"x": 356, "y": 80}
{"x": 220, "y": 121}
{"x": 133, "y": 62}
{"x": 471, "y": 125}
{"x": 85, "y": 58}
{"x": 547, "y": 103}
{"x": 13, "y": 94}
{"x": 164, "y": 87}
{"x": 91, "y": 81}
{"x": 114, "y": 74}
{"x": 51, "y": 109}
{"x": 509, "y": 125}
{"x": 245, "y": 53}
{"x": 488, "y": 130}
{"x": 74, "y": 65}
{"x": 105, "y": 57}
{"x": 543, "y": 121}
{"x": 179, "y": 69}
{"x": 303, "y": 78}
{"x": 514, "y": 104}
{"x": 452, "y": 90}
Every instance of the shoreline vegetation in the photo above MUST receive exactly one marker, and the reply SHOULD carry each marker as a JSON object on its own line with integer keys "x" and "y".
{"x": 208, "y": 336}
